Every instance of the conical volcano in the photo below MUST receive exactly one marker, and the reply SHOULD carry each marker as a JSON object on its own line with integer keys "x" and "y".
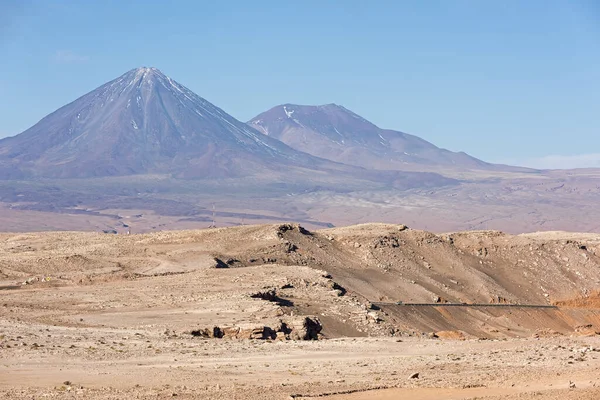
{"x": 142, "y": 123}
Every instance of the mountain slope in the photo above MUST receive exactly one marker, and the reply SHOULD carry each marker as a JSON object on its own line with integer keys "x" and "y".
{"x": 333, "y": 132}
{"x": 143, "y": 122}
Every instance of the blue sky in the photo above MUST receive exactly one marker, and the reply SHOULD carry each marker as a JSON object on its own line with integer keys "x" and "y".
{"x": 513, "y": 81}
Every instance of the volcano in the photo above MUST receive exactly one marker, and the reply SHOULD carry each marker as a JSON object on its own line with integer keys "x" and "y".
{"x": 338, "y": 134}
{"x": 144, "y": 122}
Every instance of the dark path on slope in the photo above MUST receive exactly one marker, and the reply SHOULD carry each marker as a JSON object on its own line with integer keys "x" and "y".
{"x": 379, "y": 304}
{"x": 487, "y": 320}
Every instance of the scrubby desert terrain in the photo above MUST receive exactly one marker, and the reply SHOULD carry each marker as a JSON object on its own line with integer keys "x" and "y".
{"x": 374, "y": 311}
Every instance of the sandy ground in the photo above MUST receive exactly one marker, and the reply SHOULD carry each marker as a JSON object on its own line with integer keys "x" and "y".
{"x": 110, "y": 363}
{"x": 98, "y": 316}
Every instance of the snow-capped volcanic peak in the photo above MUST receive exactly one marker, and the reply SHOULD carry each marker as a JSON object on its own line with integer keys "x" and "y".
{"x": 150, "y": 84}
{"x": 142, "y": 121}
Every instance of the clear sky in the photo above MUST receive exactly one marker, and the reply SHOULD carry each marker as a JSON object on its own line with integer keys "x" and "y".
{"x": 512, "y": 80}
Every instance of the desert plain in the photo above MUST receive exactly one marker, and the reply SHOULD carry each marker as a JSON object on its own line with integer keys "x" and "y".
{"x": 372, "y": 311}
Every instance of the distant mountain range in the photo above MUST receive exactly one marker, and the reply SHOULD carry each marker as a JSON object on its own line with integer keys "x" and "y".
{"x": 146, "y": 123}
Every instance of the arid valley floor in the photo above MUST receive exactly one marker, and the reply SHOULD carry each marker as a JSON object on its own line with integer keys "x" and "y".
{"x": 230, "y": 313}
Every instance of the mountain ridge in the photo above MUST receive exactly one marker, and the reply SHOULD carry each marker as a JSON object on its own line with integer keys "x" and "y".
{"x": 336, "y": 133}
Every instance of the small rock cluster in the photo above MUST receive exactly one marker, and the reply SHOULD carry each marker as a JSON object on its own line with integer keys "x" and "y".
{"x": 305, "y": 328}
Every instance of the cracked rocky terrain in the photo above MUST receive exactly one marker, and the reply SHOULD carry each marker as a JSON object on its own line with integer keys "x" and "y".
{"x": 375, "y": 311}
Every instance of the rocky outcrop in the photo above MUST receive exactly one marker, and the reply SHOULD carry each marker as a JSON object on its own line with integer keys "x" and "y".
{"x": 305, "y": 328}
